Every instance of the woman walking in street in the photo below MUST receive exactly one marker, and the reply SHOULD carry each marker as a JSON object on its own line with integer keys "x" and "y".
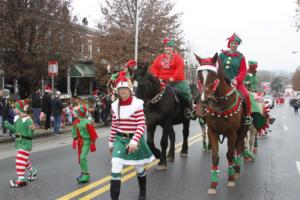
{"x": 126, "y": 142}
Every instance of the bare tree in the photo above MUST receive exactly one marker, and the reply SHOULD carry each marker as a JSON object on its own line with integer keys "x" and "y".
{"x": 157, "y": 20}
{"x": 32, "y": 32}
{"x": 296, "y": 80}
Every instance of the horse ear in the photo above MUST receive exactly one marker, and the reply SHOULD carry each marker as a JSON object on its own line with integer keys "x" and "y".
{"x": 198, "y": 58}
{"x": 215, "y": 58}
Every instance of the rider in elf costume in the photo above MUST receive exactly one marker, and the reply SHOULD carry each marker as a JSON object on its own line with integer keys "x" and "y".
{"x": 169, "y": 67}
{"x": 126, "y": 142}
{"x": 84, "y": 137}
{"x": 234, "y": 65}
{"x": 127, "y": 70}
{"x": 251, "y": 78}
{"x": 23, "y": 127}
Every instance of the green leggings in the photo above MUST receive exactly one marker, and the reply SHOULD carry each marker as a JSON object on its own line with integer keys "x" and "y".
{"x": 83, "y": 161}
{"x": 184, "y": 89}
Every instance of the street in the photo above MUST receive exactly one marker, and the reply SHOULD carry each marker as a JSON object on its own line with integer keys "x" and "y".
{"x": 273, "y": 176}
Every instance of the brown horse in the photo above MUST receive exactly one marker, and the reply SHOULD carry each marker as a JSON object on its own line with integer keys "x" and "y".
{"x": 223, "y": 113}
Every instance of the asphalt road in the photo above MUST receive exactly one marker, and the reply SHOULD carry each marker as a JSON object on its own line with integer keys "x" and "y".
{"x": 273, "y": 176}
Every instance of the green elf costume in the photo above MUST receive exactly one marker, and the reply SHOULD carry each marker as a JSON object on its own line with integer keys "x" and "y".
{"x": 84, "y": 137}
{"x": 251, "y": 78}
{"x": 169, "y": 66}
{"x": 23, "y": 127}
{"x": 127, "y": 129}
{"x": 234, "y": 66}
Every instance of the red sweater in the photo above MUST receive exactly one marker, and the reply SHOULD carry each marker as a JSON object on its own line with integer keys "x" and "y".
{"x": 165, "y": 68}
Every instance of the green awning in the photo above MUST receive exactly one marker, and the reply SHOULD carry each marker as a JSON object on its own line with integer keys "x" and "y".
{"x": 83, "y": 70}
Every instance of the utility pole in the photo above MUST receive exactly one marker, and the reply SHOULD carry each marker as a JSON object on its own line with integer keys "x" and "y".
{"x": 138, "y": 11}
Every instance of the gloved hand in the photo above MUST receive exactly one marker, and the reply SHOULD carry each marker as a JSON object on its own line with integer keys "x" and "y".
{"x": 74, "y": 144}
{"x": 233, "y": 82}
{"x": 93, "y": 147}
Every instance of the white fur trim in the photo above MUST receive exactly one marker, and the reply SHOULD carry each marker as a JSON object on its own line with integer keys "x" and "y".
{"x": 207, "y": 67}
{"x": 133, "y": 162}
{"x": 126, "y": 84}
{"x": 127, "y": 111}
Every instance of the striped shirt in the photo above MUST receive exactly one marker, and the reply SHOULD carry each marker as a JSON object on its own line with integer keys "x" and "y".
{"x": 133, "y": 124}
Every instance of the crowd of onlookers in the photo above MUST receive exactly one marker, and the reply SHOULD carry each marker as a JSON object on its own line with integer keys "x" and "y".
{"x": 50, "y": 111}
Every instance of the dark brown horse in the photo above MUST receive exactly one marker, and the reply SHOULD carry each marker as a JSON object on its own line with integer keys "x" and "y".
{"x": 223, "y": 114}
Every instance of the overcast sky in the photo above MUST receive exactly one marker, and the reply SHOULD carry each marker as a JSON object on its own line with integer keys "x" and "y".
{"x": 265, "y": 27}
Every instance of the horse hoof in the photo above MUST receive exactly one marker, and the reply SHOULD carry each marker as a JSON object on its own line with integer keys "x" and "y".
{"x": 231, "y": 184}
{"x": 161, "y": 167}
{"x": 236, "y": 176}
{"x": 170, "y": 159}
{"x": 183, "y": 155}
{"x": 212, "y": 191}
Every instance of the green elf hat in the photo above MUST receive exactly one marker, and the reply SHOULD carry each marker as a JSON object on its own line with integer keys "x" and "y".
{"x": 252, "y": 65}
{"x": 234, "y": 37}
{"x": 169, "y": 42}
{"x": 20, "y": 105}
{"x": 82, "y": 110}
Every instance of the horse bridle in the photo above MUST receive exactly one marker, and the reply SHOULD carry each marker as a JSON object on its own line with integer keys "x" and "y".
{"x": 214, "y": 86}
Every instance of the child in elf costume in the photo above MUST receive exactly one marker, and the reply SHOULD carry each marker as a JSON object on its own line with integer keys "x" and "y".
{"x": 84, "y": 137}
{"x": 23, "y": 128}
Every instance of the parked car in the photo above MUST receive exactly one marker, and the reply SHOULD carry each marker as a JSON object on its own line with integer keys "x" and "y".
{"x": 268, "y": 98}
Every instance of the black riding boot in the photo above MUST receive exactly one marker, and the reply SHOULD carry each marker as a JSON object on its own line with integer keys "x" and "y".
{"x": 115, "y": 186}
{"x": 142, "y": 183}
{"x": 189, "y": 111}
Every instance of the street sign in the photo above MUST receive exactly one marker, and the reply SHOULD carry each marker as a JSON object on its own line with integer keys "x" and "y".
{"x": 52, "y": 68}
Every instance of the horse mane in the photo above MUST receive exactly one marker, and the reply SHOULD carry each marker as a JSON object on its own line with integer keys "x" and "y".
{"x": 221, "y": 73}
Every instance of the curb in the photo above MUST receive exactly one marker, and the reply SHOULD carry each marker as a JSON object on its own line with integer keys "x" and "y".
{"x": 43, "y": 133}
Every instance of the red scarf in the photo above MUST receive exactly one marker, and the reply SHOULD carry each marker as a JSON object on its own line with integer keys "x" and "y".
{"x": 126, "y": 102}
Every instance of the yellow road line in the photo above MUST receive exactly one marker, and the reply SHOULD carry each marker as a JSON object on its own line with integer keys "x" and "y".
{"x": 127, "y": 177}
{"x": 107, "y": 178}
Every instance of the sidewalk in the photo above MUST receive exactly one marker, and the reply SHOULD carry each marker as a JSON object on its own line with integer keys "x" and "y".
{"x": 42, "y": 132}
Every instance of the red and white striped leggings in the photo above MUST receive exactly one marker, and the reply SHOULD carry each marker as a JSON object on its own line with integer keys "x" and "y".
{"x": 22, "y": 162}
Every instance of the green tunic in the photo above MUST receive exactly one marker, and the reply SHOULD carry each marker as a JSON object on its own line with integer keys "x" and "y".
{"x": 83, "y": 143}
{"x": 116, "y": 75}
{"x": 231, "y": 64}
{"x": 22, "y": 129}
{"x": 251, "y": 82}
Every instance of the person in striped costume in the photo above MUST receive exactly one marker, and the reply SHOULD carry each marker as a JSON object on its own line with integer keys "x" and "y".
{"x": 84, "y": 137}
{"x": 24, "y": 128}
{"x": 126, "y": 142}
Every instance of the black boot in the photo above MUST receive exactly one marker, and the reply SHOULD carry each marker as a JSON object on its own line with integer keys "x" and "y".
{"x": 189, "y": 112}
{"x": 115, "y": 186}
{"x": 142, "y": 183}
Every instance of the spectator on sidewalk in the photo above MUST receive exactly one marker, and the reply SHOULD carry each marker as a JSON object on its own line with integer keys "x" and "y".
{"x": 1, "y": 102}
{"x": 11, "y": 119}
{"x": 46, "y": 107}
{"x": 5, "y": 107}
{"x": 36, "y": 107}
{"x": 57, "y": 109}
